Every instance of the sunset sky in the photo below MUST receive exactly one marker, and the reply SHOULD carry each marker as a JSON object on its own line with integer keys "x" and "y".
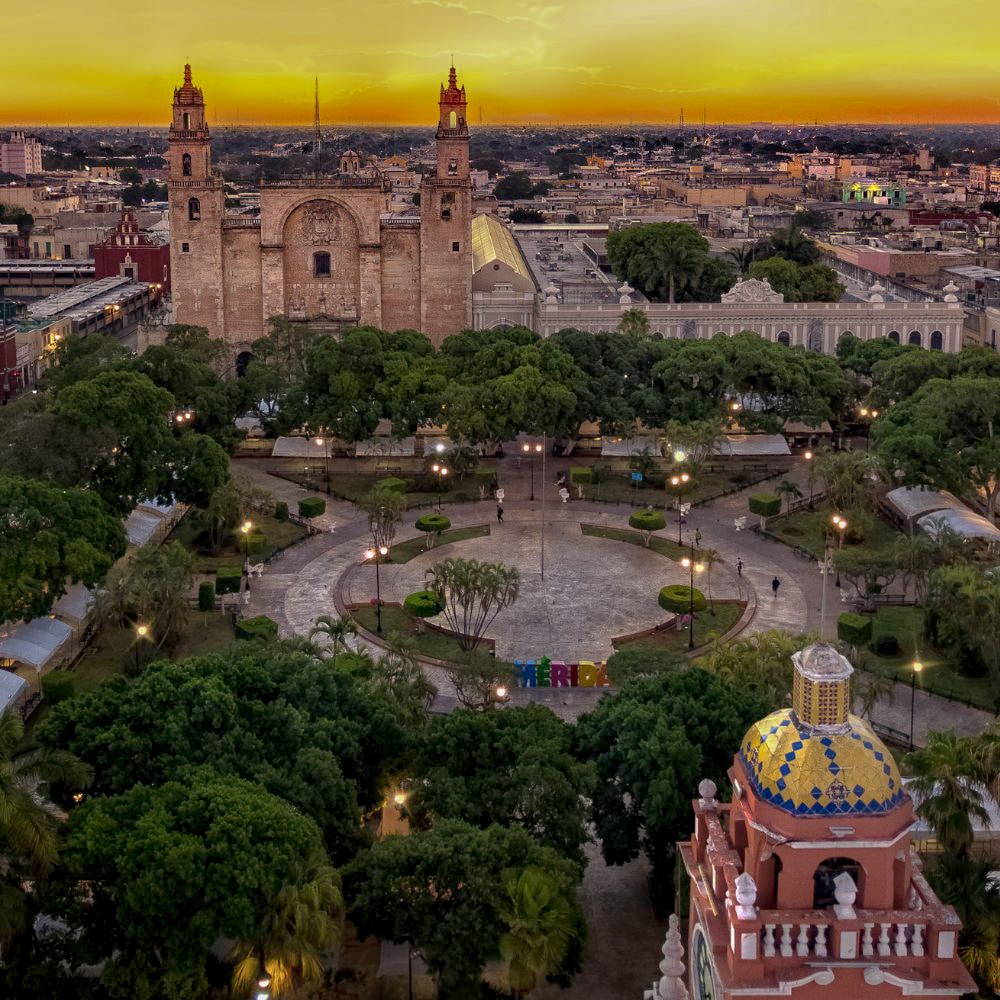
{"x": 116, "y": 61}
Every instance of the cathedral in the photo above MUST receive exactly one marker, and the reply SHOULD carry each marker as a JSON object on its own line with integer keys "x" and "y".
{"x": 325, "y": 250}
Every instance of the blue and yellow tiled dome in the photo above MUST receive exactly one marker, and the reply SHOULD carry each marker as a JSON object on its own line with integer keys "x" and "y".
{"x": 815, "y": 759}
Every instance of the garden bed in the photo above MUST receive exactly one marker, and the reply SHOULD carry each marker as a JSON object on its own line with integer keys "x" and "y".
{"x": 352, "y": 486}
{"x": 707, "y": 624}
{"x": 278, "y": 535}
{"x": 665, "y": 546}
{"x": 618, "y": 488}
{"x": 403, "y": 552}
{"x": 807, "y": 529}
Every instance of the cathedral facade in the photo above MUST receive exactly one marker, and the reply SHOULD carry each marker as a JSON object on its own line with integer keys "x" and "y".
{"x": 325, "y": 250}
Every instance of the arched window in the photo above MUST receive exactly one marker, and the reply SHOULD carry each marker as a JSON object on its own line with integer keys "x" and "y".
{"x": 321, "y": 264}
{"x": 915, "y": 338}
{"x": 186, "y": 164}
{"x": 784, "y": 338}
{"x": 825, "y": 875}
{"x": 452, "y": 120}
{"x": 187, "y": 121}
{"x": 242, "y": 360}
{"x": 846, "y": 333}
{"x": 937, "y": 341}
{"x": 194, "y": 209}
{"x": 815, "y": 340}
{"x": 894, "y": 336}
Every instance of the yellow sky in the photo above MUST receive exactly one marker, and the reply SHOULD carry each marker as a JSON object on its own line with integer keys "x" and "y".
{"x": 116, "y": 61}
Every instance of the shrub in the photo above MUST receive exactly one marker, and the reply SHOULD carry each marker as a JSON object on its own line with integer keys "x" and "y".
{"x": 647, "y": 520}
{"x": 393, "y": 483}
{"x": 765, "y": 504}
{"x": 312, "y": 507}
{"x": 885, "y": 645}
{"x": 259, "y": 627}
{"x": 58, "y": 686}
{"x": 227, "y": 579}
{"x": 581, "y": 474}
{"x": 854, "y": 629}
{"x": 423, "y": 604}
{"x": 677, "y": 599}
{"x": 432, "y": 524}
{"x": 281, "y": 511}
{"x": 206, "y": 596}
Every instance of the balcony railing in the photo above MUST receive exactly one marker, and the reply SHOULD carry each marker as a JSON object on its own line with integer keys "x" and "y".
{"x": 871, "y": 934}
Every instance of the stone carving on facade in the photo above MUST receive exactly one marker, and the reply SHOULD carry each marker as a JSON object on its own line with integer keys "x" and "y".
{"x": 322, "y": 223}
{"x": 690, "y": 328}
{"x": 754, "y": 291}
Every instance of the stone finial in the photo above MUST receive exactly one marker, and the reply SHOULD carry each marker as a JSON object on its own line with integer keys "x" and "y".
{"x": 876, "y": 293}
{"x": 671, "y": 985}
{"x": 707, "y": 791}
{"x": 625, "y": 294}
{"x": 746, "y": 896}
{"x": 950, "y": 292}
{"x": 552, "y": 294}
{"x": 845, "y": 891}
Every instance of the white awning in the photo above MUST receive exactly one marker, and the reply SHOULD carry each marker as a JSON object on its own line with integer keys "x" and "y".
{"x": 962, "y": 522}
{"x": 753, "y": 445}
{"x": 34, "y": 643}
{"x": 914, "y": 501}
{"x": 12, "y": 690}
{"x": 140, "y": 527}
{"x": 74, "y": 606}
{"x": 386, "y": 447}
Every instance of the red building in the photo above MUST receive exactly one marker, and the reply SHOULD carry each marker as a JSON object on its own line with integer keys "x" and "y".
{"x": 805, "y": 884}
{"x": 134, "y": 254}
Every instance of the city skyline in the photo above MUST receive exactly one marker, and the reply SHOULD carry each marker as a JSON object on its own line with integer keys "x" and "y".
{"x": 557, "y": 63}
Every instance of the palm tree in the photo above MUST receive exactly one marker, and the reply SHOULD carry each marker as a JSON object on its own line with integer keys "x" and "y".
{"x": 871, "y": 687}
{"x": 743, "y": 256}
{"x": 539, "y": 924}
{"x": 790, "y": 490}
{"x": 680, "y": 266}
{"x": 336, "y": 630}
{"x": 400, "y": 678}
{"x": 946, "y": 783}
{"x": 709, "y": 558}
{"x": 301, "y": 926}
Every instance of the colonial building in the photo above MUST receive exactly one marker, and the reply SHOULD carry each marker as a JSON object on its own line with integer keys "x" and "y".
{"x": 131, "y": 253}
{"x": 805, "y": 884}
{"x": 325, "y": 250}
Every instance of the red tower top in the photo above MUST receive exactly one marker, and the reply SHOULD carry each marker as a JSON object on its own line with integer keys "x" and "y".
{"x": 452, "y": 104}
{"x": 188, "y": 93}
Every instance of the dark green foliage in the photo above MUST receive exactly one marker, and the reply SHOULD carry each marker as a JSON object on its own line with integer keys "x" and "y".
{"x": 647, "y": 520}
{"x": 581, "y": 474}
{"x": 798, "y": 282}
{"x": 281, "y": 511}
{"x": 634, "y": 661}
{"x": 227, "y": 579}
{"x": 57, "y": 686}
{"x": 253, "y": 542}
{"x": 765, "y": 504}
{"x": 312, "y": 507}
{"x": 423, "y": 604}
{"x": 885, "y": 645}
{"x": 677, "y": 599}
{"x": 435, "y": 523}
{"x": 258, "y": 627}
{"x": 393, "y": 483}
{"x": 206, "y": 596}
{"x": 854, "y": 629}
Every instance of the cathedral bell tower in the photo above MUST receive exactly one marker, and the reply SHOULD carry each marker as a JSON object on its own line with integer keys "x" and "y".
{"x": 446, "y": 223}
{"x": 197, "y": 203}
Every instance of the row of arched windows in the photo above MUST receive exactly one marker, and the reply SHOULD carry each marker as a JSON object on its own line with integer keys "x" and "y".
{"x": 915, "y": 338}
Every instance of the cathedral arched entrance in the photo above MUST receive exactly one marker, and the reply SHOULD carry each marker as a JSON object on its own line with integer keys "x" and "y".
{"x": 322, "y": 264}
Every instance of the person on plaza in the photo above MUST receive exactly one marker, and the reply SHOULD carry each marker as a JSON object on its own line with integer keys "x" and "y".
{"x": 775, "y": 584}
{"x": 499, "y": 513}
{"x": 739, "y": 567}
{"x": 697, "y": 537}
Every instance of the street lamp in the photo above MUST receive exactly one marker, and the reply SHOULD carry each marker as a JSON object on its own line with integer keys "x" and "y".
{"x": 440, "y": 471}
{"x": 263, "y": 988}
{"x": 694, "y": 567}
{"x": 142, "y": 633}
{"x": 915, "y": 669}
{"x": 840, "y": 523}
{"x": 808, "y": 456}
{"x": 679, "y": 483}
{"x": 369, "y": 555}
{"x": 245, "y": 528}
{"x": 326, "y": 461}
{"x": 531, "y": 451}
{"x": 501, "y": 693}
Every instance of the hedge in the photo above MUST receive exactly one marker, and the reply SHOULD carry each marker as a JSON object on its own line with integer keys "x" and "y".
{"x": 206, "y": 596}
{"x": 281, "y": 511}
{"x": 227, "y": 579}
{"x": 258, "y": 627}
{"x": 765, "y": 504}
{"x": 58, "y": 686}
{"x": 581, "y": 474}
{"x": 677, "y": 598}
{"x": 647, "y": 520}
{"x": 432, "y": 522}
{"x": 423, "y": 604}
{"x": 312, "y": 507}
{"x": 854, "y": 629}
{"x": 393, "y": 483}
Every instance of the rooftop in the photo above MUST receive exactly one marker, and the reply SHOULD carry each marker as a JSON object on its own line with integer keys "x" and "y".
{"x": 493, "y": 241}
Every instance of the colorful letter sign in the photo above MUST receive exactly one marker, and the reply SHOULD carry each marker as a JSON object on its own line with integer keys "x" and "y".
{"x": 547, "y": 672}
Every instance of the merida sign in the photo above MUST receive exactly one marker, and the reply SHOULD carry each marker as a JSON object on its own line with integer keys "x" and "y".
{"x": 547, "y": 672}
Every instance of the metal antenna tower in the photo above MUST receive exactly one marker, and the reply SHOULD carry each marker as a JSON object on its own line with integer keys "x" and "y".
{"x": 317, "y": 137}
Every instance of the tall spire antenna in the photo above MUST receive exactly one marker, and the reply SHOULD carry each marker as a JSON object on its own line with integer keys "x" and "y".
{"x": 317, "y": 137}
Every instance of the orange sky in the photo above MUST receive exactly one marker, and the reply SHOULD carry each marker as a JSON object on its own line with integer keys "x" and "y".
{"x": 116, "y": 61}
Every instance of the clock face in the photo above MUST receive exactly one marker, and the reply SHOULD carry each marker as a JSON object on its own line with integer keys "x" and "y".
{"x": 703, "y": 981}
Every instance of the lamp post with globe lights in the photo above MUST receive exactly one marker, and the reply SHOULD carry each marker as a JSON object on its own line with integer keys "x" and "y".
{"x": 695, "y": 567}
{"x": 440, "y": 472}
{"x": 809, "y": 458}
{"x": 679, "y": 482}
{"x": 531, "y": 451}
{"x": 324, "y": 444}
{"x": 263, "y": 988}
{"x": 376, "y": 555}
{"x": 915, "y": 669}
{"x": 840, "y": 523}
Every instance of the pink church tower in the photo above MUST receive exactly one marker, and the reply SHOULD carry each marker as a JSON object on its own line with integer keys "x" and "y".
{"x": 805, "y": 885}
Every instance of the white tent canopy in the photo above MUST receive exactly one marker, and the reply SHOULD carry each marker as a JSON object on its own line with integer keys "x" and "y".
{"x": 74, "y": 606}
{"x": 912, "y": 502}
{"x": 624, "y": 447}
{"x": 34, "y": 643}
{"x": 140, "y": 526}
{"x": 962, "y": 522}
{"x": 12, "y": 690}
{"x": 753, "y": 445}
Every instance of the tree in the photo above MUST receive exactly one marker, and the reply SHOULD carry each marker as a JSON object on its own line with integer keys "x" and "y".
{"x": 743, "y": 256}
{"x": 799, "y": 282}
{"x": 513, "y": 768}
{"x": 790, "y": 491}
{"x": 760, "y": 664}
{"x": 302, "y": 925}
{"x": 664, "y": 260}
{"x": 398, "y": 677}
{"x": 442, "y": 890}
{"x": 792, "y": 245}
{"x": 698, "y": 439}
{"x": 651, "y": 745}
{"x": 515, "y": 186}
{"x": 849, "y": 478}
{"x": 50, "y": 536}
{"x": 634, "y": 323}
{"x": 528, "y": 215}
{"x": 384, "y": 508}
{"x": 336, "y": 631}
{"x": 915, "y": 556}
{"x": 230, "y": 503}
{"x": 472, "y": 594}
{"x": 539, "y": 922}
{"x": 646, "y": 522}
{"x": 872, "y": 687}
{"x": 946, "y": 787}
{"x": 869, "y": 571}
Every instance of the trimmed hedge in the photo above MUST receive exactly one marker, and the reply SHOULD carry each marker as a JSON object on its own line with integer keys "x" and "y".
{"x": 312, "y": 507}
{"x": 432, "y": 522}
{"x": 885, "y": 645}
{"x": 227, "y": 579}
{"x": 677, "y": 599}
{"x": 58, "y": 686}
{"x": 423, "y": 604}
{"x": 647, "y": 520}
{"x": 393, "y": 483}
{"x": 765, "y": 504}
{"x": 258, "y": 627}
{"x": 281, "y": 511}
{"x": 206, "y": 596}
{"x": 581, "y": 474}
{"x": 854, "y": 629}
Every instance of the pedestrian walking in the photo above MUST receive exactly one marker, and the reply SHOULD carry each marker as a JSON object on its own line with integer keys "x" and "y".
{"x": 775, "y": 584}
{"x": 499, "y": 513}
{"x": 697, "y": 537}
{"x": 739, "y": 567}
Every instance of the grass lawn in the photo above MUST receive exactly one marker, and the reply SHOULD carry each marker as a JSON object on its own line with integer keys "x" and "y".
{"x": 658, "y": 543}
{"x": 807, "y": 528}
{"x": 405, "y": 551}
{"x": 938, "y": 676}
{"x": 618, "y": 488}
{"x": 278, "y": 535}
{"x": 428, "y": 643}
{"x": 706, "y": 625}
{"x": 354, "y": 485}
{"x": 206, "y": 632}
